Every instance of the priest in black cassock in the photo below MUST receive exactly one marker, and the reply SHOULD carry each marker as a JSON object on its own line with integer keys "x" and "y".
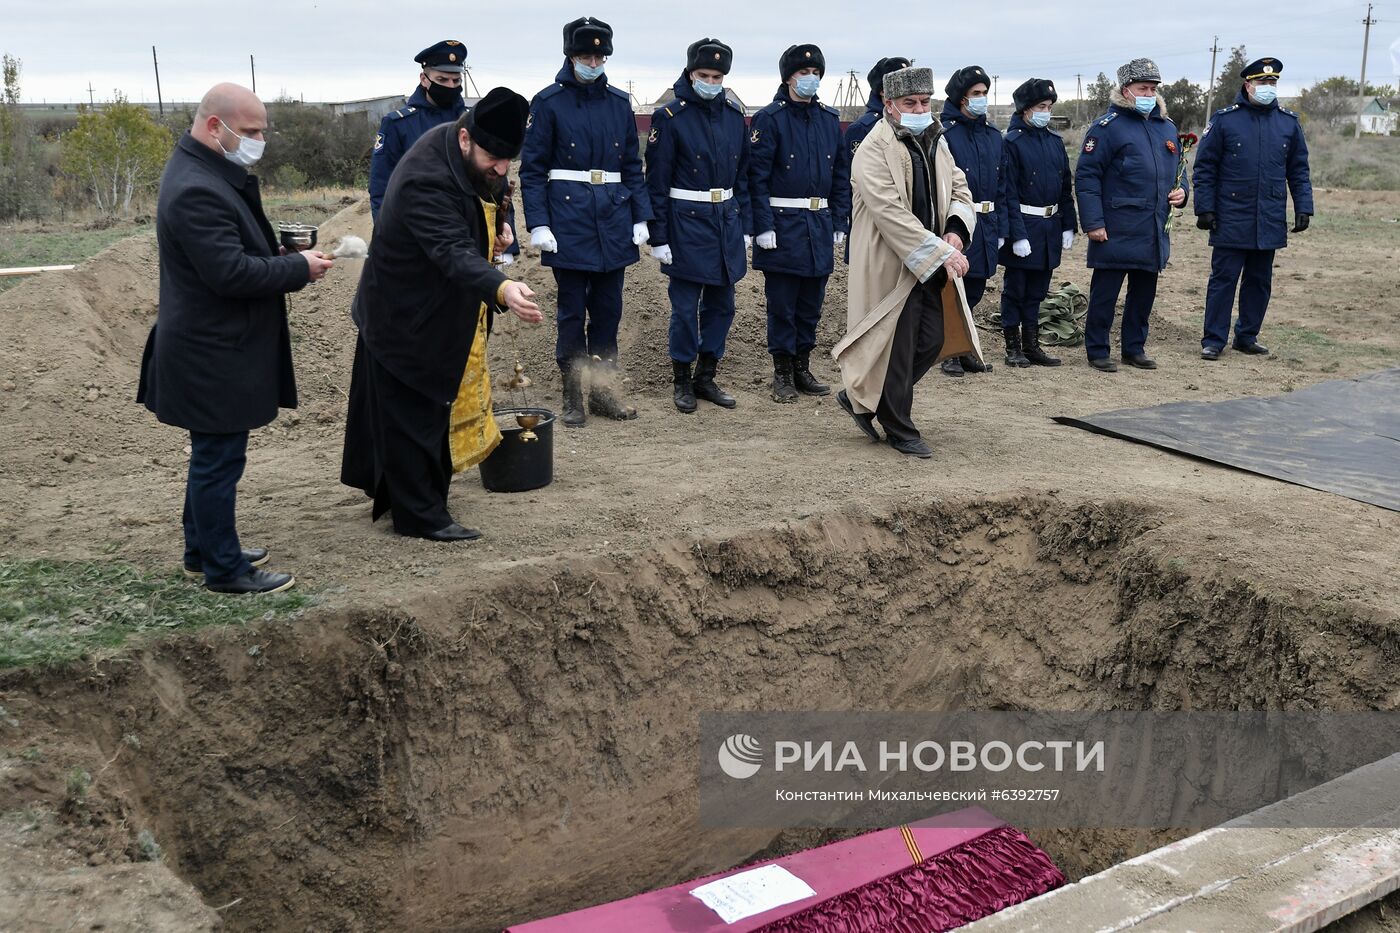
{"x": 420, "y": 405}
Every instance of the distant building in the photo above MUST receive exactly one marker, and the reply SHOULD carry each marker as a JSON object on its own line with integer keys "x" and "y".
{"x": 374, "y": 108}
{"x": 1379, "y": 117}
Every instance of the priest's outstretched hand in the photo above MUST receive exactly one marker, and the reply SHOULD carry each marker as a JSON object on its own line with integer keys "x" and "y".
{"x": 517, "y": 297}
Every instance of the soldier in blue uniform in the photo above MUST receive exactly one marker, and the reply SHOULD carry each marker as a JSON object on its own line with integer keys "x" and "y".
{"x": 436, "y": 100}
{"x": 977, "y": 146}
{"x": 874, "y": 107}
{"x": 1039, "y": 213}
{"x": 800, "y": 186}
{"x": 697, "y": 165}
{"x": 1250, "y": 150}
{"x": 587, "y": 207}
{"x": 1126, "y": 185}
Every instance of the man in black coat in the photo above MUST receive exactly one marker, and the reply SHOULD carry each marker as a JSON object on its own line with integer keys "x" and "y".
{"x": 218, "y": 361}
{"x": 417, "y": 307}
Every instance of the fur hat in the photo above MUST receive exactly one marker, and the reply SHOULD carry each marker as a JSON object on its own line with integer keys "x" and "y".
{"x": 1139, "y": 69}
{"x": 588, "y": 36}
{"x": 1033, "y": 92}
{"x": 802, "y": 56}
{"x": 497, "y": 122}
{"x": 876, "y": 77}
{"x": 908, "y": 81}
{"x": 709, "y": 53}
{"x": 963, "y": 79}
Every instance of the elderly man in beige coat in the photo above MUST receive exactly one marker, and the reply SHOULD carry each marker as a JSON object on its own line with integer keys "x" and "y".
{"x": 912, "y": 216}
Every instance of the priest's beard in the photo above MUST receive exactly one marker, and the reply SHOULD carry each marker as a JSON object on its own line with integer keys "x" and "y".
{"x": 487, "y": 185}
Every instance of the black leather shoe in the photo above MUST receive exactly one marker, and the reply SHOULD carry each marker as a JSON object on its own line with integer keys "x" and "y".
{"x": 1140, "y": 361}
{"x": 257, "y": 556}
{"x": 917, "y": 447}
{"x": 1253, "y": 349}
{"x": 865, "y": 422}
{"x": 255, "y": 581}
{"x": 952, "y": 366}
{"x": 1104, "y": 365}
{"x": 453, "y": 532}
{"x": 1210, "y": 353}
{"x": 972, "y": 364}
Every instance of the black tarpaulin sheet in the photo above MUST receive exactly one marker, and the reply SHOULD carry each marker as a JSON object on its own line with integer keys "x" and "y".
{"x": 1341, "y": 436}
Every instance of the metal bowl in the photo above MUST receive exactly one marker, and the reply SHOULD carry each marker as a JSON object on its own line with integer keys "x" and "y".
{"x": 297, "y": 236}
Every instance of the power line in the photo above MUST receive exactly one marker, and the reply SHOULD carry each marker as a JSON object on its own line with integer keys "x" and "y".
{"x": 1368, "y": 22}
{"x": 1210, "y": 94}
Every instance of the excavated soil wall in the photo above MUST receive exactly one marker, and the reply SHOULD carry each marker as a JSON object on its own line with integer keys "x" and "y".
{"x": 519, "y": 745}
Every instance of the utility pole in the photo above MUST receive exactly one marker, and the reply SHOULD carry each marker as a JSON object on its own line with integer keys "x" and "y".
{"x": 1210, "y": 94}
{"x": 91, "y": 104}
{"x": 994, "y": 89}
{"x": 254, "y": 71}
{"x": 1368, "y": 22}
{"x": 160, "y": 102}
{"x": 1078, "y": 98}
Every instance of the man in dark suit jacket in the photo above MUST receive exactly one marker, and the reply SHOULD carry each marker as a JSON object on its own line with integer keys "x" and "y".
{"x": 420, "y": 296}
{"x": 218, "y": 361}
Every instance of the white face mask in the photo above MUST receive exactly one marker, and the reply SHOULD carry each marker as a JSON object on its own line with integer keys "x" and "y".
{"x": 249, "y": 150}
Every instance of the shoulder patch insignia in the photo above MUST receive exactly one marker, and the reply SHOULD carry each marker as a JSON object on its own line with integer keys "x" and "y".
{"x": 1206, "y": 132}
{"x": 854, "y": 146}
{"x": 651, "y": 137}
{"x": 753, "y": 137}
{"x": 530, "y": 120}
{"x": 378, "y": 141}
{"x": 1090, "y": 143}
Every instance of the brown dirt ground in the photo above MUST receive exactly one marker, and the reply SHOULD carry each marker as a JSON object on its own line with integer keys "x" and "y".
{"x": 84, "y": 472}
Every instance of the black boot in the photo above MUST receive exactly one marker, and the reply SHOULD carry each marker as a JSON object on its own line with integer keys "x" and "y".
{"x": 705, "y": 385}
{"x": 1030, "y": 340}
{"x": 602, "y": 392}
{"x": 684, "y": 394}
{"x": 1014, "y": 356}
{"x": 572, "y": 373}
{"x": 972, "y": 364}
{"x": 783, "y": 390}
{"x": 802, "y": 378}
{"x": 952, "y": 366}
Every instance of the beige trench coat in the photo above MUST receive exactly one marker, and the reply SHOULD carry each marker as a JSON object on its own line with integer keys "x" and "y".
{"x": 890, "y": 252}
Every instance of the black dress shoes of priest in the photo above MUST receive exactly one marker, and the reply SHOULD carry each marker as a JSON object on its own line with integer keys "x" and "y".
{"x": 453, "y": 532}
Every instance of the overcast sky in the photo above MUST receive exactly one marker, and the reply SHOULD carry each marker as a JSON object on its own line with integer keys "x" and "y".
{"x": 356, "y": 48}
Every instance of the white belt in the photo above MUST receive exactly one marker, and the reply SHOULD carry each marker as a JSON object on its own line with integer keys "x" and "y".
{"x": 1040, "y": 211}
{"x": 713, "y": 196}
{"x": 811, "y": 204}
{"x": 985, "y": 207}
{"x": 593, "y": 177}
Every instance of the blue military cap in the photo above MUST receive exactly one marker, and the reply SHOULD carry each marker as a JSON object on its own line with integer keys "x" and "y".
{"x": 447, "y": 55}
{"x": 588, "y": 36}
{"x": 709, "y": 53}
{"x": 1263, "y": 68}
{"x": 963, "y": 79}
{"x": 797, "y": 57}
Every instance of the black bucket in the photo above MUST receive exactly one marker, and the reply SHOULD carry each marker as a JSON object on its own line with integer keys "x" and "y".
{"x": 518, "y": 465}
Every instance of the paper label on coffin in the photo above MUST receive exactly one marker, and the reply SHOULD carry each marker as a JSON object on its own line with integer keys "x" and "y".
{"x": 750, "y": 893}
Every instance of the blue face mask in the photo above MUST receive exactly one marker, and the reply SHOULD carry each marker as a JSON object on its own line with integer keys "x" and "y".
{"x": 807, "y": 85}
{"x": 705, "y": 90}
{"x": 1040, "y": 118}
{"x": 587, "y": 73}
{"x": 1145, "y": 105}
{"x": 977, "y": 106}
{"x": 916, "y": 123}
{"x": 1265, "y": 94}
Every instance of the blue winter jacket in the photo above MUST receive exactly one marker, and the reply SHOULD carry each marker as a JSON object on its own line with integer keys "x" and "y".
{"x": 1248, "y": 154}
{"x": 700, "y": 145}
{"x": 977, "y": 149}
{"x": 795, "y": 151}
{"x": 1127, "y": 167}
{"x": 584, "y": 127}
{"x": 1035, "y": 168}
{"x": 398, "y": 131}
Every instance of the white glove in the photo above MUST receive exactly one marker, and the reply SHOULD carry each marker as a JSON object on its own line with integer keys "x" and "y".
{"x": 544, "y": 239}
{"x": 661, "y": 254}
{"x": 1021, "y": 248}
{"x": 1067, "y": 239}
{"x": 838, "y": 238}
{"x": 1001, "y": 241}
{"x": 767, "y": 240}
{"x": 505, "y": 259}
{"x": 748, "y": 241}
{"x": 640, "y": 234}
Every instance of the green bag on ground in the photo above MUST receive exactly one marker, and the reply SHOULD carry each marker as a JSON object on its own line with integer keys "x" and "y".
{"x": 1062, "y": 316}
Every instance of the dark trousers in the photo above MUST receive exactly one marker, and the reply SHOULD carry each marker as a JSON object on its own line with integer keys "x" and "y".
{"x": 1022, "y": 291}
{"x": 396, "y": 448}
{"x": 700, "y": 319}
{"x": 211, "y": 494}
{"x": 975, "y": 289}
{"x": 794, "y": 310}
{"x": 590, "y": 309}
{"x": 1226, "y": 265}
{"x": 1103, "y": 295}
{"x": 918, "y": 337}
